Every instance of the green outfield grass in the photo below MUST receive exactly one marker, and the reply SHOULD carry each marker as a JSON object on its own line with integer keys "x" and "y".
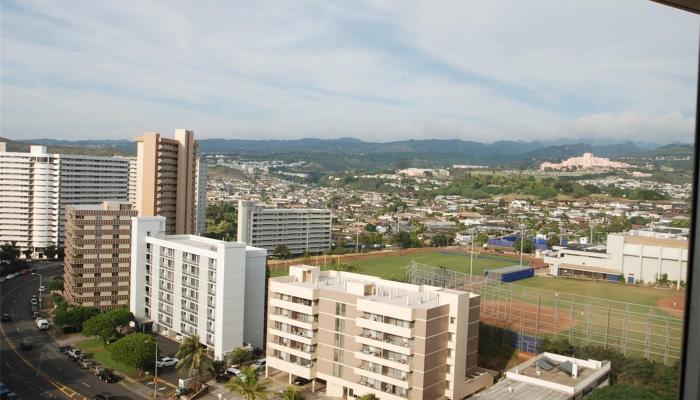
{"x": 606, "y": 290}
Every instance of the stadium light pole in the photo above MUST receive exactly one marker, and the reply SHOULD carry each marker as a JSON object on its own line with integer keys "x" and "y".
{"x": 522, "y": 240}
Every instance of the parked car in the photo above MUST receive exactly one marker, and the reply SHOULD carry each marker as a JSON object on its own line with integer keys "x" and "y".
{"x": 10, "y": 276}
{"x": 34, "y": 301}
{"x": 42, "y": 288}
{"x": 98, "y": 370}
{"x": 167, "y": 362}
{"x": 178, "y": 337}
{"x": 42, "y": 324}
{"x": 234, "y": 372}
{"x": 104, "y": 396}
{"x": 74, "y": 353}
{"x": 299, "y": 381}
{"x": 86, "y": 363}
{"x": 36, "y": 315}
{"x": 65, "y": 349}
{"x": 259, "y": 364}
{"x": 5, "y": 318}
{"x": 24, "y": 345}
{"x": 108, "y": 377}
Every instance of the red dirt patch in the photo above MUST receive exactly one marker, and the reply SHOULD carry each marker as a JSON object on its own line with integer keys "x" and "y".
{"x": 674, "y": 305}
{"x": 510, "y": 315}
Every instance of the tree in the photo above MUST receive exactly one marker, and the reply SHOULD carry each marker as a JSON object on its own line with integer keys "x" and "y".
{"x": 624, "y": 392}
{"x": 9, "y": 252}
{"x": 291, "y": 393}
{"x": 528, "y": 247}
{"x": 239, "y": 355}
{"x": 217, "y": 368}
{"x": 73, "y": 316}
{"x": 103, "y": 325}
{"x": 282, "y": 251}
{"x": 137, "y": 350}
{"x": 50, "y": 252}
{"x": 27, "y": 253}
{"x": 439, "y": 240}
{"x": 193, "y": 358}
{"x": 56, "y": 284}
{"x": 370, "y": 227}
{"x": 248, "y": 386}
{"x": 368, "y": 396}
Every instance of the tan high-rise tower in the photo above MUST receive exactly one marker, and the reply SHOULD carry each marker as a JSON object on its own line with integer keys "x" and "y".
{"x": 167, "y": 179}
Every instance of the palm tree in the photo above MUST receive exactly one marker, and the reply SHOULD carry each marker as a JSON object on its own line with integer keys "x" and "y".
{"x": 368, "y": 396}
{"x": 248, "y": 385}
{"x": 291, "y": 393}
{"x": 192, "y": 356}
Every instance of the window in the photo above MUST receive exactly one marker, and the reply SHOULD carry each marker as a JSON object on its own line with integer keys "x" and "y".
{"x": 339, "y": 325}
{"x": 340, "y": 309}
{"x": 337, "y": 370}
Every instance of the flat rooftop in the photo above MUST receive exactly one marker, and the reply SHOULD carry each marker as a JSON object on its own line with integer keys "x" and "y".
{"x": 514, "y": 390}
{"x": 384, "y": 291}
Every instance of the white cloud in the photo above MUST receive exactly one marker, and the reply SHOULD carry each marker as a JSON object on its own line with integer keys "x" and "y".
{"x": 384, "y": 70}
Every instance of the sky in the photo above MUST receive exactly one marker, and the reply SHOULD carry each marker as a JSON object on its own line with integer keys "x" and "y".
{"x": 376, "y": 70}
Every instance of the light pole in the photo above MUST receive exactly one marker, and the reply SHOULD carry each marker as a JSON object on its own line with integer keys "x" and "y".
{"x": 155, "y": 370}
{"x": 522, "y": 240}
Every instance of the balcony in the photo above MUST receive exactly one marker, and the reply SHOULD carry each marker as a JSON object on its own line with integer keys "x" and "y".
{"x": 400, "y": 379}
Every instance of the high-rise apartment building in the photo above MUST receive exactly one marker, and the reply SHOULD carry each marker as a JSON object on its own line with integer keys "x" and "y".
{"x": 133, "y": 162}
{"x": 36, "y": 187}
{"x": 167, "y": 179}
{"x": 362, "y": 335}
{"x": 300, "y": 229}
{"x": 191, "y": 285}
{"x": 201, "y": 195}
{"x": 97, "y": 259}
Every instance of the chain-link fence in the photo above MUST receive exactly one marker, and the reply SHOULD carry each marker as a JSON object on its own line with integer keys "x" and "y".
{"x": 532, "y": 313}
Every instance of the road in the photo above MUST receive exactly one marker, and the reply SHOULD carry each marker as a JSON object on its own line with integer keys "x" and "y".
{"x": 42, "y": 372}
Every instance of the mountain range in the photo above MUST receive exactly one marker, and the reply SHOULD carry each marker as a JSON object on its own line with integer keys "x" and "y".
{"x": 420, "y": 152}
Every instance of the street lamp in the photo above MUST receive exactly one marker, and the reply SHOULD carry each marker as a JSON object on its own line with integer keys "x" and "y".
{"x": 155, "y": 371}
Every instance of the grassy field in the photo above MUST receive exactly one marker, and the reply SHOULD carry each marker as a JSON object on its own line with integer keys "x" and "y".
{"x": 606, "y": 290}
{"x": 103, "y": 356}
{"x": 394, "y": 267}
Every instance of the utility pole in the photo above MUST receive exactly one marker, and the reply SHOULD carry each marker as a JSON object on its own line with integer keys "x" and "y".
{"x": 522, "y": 240}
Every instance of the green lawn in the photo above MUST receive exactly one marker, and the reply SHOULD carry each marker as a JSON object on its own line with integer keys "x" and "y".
{"x": 394, "y": 267}
{"x": 103, "y": 356}
{"x": 607, "y": 290}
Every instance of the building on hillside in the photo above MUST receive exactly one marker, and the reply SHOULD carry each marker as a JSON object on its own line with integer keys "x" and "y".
{"x": 630, "y": 257}
{"x": 300, "y": 229}
{"x": 550, "y": 376}
{"x": 37, "y": 185}
{"x": 365, "y": 335}
{"x": 98, "y": 254}
{"x": 586, "y": 161}
{"x": 167, "y": 180}
{"x": 191, "y": 285}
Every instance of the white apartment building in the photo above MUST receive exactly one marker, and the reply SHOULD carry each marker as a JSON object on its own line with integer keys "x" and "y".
{"x": 191, "y": 285}
{"x": 133, "y": 184}
{"x": 361, "y": 334}
{"x": 632, "y": 257}
{"x": 36, "y": 187}
{"x": 300, "y": 229}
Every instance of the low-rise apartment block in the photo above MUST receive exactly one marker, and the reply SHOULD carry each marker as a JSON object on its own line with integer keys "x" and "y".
{"x": 362, "y": 334}
{"x": 300, "y": 229}
{"x": 97, "y": 254}
{"x": 191, "y": 285}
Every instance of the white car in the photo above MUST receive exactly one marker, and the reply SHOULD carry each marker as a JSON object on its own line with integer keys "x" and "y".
{"x": 259, "y": 364}
{"x": 10, "y": 276}
{"x": 167, "y": 362}
{"x": 235, "y": 372}
{"x": 42, "y": 288}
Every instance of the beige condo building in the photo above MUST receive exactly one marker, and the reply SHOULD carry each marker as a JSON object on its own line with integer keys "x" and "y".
{"x": 97, "y": 254}
{"x": 167, "y": 180}
{"x": 360, "y": 334}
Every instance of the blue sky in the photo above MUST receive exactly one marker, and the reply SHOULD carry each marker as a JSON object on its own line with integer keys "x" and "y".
{"x": 384, "y": 70}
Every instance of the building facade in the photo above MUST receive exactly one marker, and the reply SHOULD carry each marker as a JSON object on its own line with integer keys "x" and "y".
{"x": 36, "y": 187}
{"x": 201, "y": 195}
{"x": 300, "y": 229}
{"x": 633, "y": 257}
{"x": 191, "y": 285}
{"x": 586, "y": 161}
{"x": 133, "y": 175}
{"x": 362, "y": 334}
{"x": 167, "y": 180}
{"x": 97, "y": 254}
